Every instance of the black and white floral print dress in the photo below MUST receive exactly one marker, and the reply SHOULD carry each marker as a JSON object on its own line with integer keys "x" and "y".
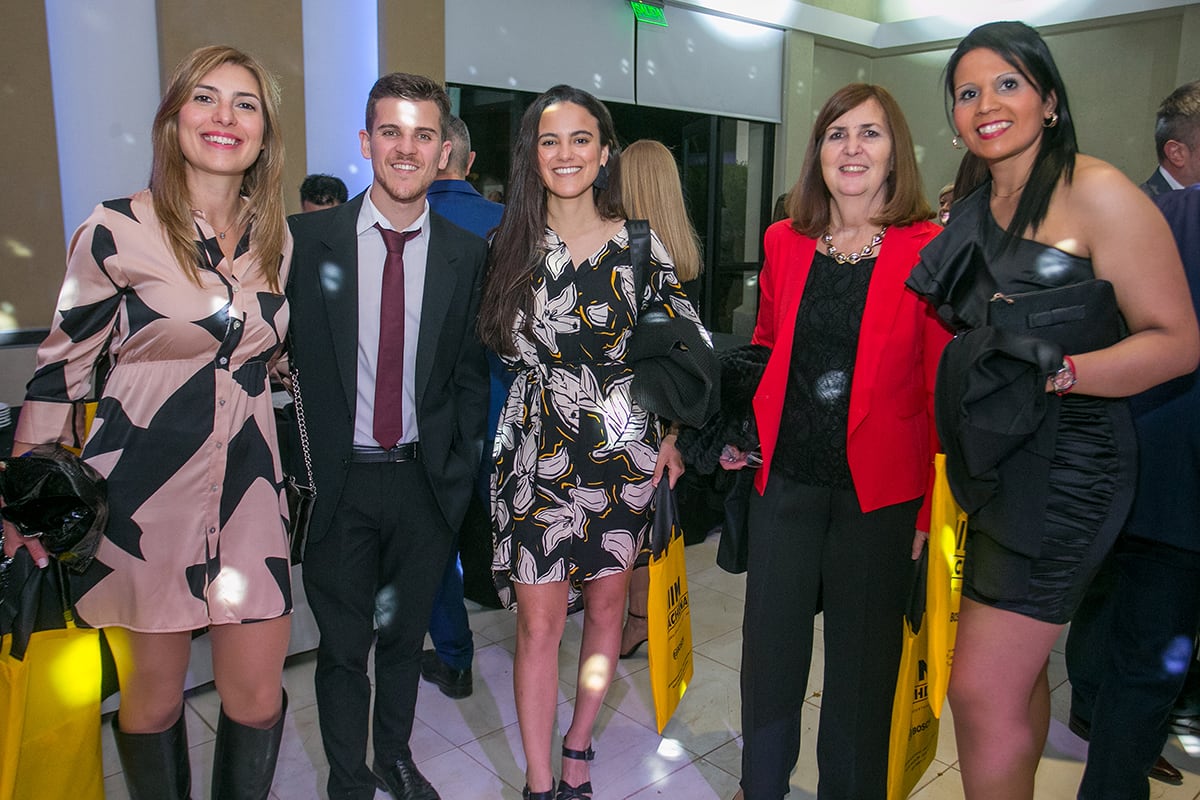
{"x": 571, "y": 493}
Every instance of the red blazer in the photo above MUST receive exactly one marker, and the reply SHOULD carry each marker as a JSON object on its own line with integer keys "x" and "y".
{"x": 891, "y": 438}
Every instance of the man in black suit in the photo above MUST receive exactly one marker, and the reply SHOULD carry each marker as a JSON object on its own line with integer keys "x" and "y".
{"x": 1177, "y": 140}
{"x": 394, "y": 383}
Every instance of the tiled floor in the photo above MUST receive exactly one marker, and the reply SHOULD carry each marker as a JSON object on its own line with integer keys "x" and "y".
{"x": 470, "y": 749}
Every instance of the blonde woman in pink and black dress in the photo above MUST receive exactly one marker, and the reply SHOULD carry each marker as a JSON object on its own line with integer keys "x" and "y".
{"x": 185, "y": 280}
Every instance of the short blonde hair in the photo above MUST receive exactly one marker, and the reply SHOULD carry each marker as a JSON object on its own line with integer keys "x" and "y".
{"x": 651, "y": 189}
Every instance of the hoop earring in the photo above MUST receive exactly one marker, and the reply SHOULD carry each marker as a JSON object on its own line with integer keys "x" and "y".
{"x": 601, "y": 180}
{"x": 1050, "y": 121}
{"x": 956, "y": 143}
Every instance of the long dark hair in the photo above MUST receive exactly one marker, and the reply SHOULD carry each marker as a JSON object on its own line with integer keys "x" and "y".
{"x": 519, "y": 241}
{"x": 808, "y": 203}
{"x": 1025, "y": 50}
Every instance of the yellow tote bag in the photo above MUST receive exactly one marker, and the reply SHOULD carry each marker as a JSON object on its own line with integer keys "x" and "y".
{"x": 669, "y": 617}
{"x": 50, "y": 717}
{"x": 912, "y": 742}
{"x": 947, "y": 538}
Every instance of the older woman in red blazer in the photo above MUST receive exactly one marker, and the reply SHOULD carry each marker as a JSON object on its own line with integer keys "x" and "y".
{"x": 845, "y": 418}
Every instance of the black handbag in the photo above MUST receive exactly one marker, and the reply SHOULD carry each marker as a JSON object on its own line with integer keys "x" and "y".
{"x": 1080, "y": 317}
{"x": 676, "y": 374}
{"x": 53, "y": 495}
{"x": 301, "y": 491}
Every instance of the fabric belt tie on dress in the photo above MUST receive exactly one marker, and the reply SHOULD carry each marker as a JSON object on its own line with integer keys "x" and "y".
{"x": 407, "y": 451}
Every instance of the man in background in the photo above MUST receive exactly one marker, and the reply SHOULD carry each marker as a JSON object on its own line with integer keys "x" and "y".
{"x": 319, "y": 191}
{"x": 1177, "y": 140}
{"x": 448, "y": 663}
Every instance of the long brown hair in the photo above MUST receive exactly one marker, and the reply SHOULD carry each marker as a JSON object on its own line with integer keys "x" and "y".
{"x": 651, "y": 189}
{"x": 808, "y": 203}
{"x": 519, "y": 242}
{"x": 262, "y": 185}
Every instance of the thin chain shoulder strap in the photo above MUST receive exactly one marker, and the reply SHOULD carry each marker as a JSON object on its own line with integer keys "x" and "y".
{"x": 303, "y": 430}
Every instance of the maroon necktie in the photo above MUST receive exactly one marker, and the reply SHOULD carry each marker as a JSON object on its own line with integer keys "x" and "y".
{"x": 389, "y": 367}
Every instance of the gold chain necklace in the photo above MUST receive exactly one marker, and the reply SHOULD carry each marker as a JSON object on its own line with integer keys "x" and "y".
{"x": 221, "y": 234}
{"x": 852, "y": 258}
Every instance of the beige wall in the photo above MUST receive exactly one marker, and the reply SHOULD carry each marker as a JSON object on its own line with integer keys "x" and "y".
{"x": 1115, "y": 74}
{"x": 412, "y": 37}
{"x": 31, "y": 225}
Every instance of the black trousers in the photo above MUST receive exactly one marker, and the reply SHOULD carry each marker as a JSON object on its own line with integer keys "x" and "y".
{"x": 377, "y": 567}
{"x": 807, "y": 543}
{"x": 1128, "y": 653}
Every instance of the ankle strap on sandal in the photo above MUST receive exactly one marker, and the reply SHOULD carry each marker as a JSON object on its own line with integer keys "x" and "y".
{"x": 579, "y": 755}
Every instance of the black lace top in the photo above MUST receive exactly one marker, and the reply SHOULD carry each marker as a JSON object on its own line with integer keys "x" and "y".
{"x": 816, "y": 408}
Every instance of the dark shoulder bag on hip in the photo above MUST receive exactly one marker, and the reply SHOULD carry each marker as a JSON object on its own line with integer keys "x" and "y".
{"x": 301, "y": 490}
{"x": 676, "y": 374}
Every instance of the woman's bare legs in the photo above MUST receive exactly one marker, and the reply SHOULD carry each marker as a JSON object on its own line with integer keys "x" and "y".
{"x": 248, "y": 669}
{"x": 1001, "y": 700}
{"x": 541, "y": 615}
{"x": 636, "y": 628}
{"x": 603, "y": 610}
{"x": 151, "y": 668}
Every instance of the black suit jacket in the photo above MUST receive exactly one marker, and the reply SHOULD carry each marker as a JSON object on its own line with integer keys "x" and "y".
{"x": 451, "y": 372}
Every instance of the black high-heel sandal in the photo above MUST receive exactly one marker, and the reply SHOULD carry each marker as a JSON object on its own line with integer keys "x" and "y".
{"x": 632, "y": 651}
{"x": 528, "y": 795}
{"x": 584, "y": 790}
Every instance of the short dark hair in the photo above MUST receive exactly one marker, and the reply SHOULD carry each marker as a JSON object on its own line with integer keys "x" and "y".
{"x": 808, "y": 203}
{"x": 323, "y": 190}
{"x": 407, "y": 86}
{"x": 456, "y": 131}
{"x": 1178, "y": 118}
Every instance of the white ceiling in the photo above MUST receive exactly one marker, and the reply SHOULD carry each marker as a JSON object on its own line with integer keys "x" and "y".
{"x": 910, "y": 23}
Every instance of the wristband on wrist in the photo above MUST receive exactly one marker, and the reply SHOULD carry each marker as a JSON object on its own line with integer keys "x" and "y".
{"x": 1064, "y": 380}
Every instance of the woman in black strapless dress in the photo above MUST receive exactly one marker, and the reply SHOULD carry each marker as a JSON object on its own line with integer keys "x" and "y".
{"x": 1037, "y": 215}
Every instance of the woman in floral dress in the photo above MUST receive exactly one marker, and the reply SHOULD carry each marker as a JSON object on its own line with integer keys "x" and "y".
{"x": 576, "y": 459}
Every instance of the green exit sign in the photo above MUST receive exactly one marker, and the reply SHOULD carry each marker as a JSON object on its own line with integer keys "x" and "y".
{"x": 652, "y": 15}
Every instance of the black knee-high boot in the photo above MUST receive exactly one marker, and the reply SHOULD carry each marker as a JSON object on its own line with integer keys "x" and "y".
{"x": 155, "y": 764}
{"x": 244, "y": 763}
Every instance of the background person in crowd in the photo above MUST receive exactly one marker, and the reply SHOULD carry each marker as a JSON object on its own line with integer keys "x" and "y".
{"x": 1177, "y": 141}
{"x": 1035, "y": 214}
{"x": 448, "y": 663}
{"x": 319, "y": 191}
{"x": 394, "y": 385}
{"x": 845, "y": 419}
{"x": 576, "y": 458}
{"x": 184, "y": 280}
{"x": 1130, "y": 644}
{"x": 651, "y": 190}
{"x": 945, "y": 199}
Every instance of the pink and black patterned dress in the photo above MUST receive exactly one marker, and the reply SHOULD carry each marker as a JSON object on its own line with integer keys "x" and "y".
{"x": 185, "y": 430}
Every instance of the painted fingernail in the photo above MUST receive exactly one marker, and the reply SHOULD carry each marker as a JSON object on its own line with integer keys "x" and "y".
{"x": 43, "y": 562}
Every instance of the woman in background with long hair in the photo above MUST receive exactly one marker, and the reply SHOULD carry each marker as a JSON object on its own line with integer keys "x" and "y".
{"x": 651, "y": 190}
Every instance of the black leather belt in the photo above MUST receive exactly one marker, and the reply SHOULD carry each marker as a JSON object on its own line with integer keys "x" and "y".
{"x": 377, "y": 455}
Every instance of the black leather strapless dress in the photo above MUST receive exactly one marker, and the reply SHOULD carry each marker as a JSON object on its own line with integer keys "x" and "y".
{"x": 1079, "y": 497}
